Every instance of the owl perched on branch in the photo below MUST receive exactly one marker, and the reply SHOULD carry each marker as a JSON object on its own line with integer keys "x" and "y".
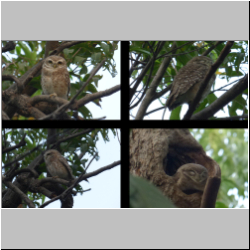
{"x": 55, "y": 77}
{"x": 191, "y": 178}
{"x": 57, "y": 165}
{"x": 187, "y": 82}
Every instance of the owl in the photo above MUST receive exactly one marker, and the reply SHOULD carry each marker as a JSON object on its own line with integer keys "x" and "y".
{"x": 55, "y": 77}
{"x": 187, "y": 82}
{"x": 191, "y": 178}
{"x": 57, "y": 165}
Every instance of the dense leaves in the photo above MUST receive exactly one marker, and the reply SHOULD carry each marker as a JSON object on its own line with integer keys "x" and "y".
{"x": 229, "y": 148}
{"x": 81, "y": 59}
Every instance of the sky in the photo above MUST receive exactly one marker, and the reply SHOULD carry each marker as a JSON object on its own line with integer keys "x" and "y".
{"x": 110, "y": 104}
{"x": 105, "y": 187}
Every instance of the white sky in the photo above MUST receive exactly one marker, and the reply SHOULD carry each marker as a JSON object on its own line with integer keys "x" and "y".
{"x": 110, "y": 104}
{"x": 105, "y": 187}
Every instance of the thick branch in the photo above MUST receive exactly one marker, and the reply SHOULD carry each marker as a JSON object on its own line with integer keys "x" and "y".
{"x": 223, "y": 100}
{"x": 22, "y": 195}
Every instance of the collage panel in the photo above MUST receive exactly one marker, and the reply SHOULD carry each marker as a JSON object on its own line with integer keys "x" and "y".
{"x": 61, "y": 80}
{"x": 188, "y": 168}
{"x": 188, "y": 80}
{"x": 61, "y": 168}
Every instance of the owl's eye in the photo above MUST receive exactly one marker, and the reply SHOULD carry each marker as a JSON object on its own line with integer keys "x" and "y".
{"x": 59, "y": 63}
{"x": 191, "y": 172}
{"x": 50, "y": 61}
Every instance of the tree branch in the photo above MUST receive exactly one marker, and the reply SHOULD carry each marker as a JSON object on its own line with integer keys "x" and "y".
{"x": 205, "y": 82}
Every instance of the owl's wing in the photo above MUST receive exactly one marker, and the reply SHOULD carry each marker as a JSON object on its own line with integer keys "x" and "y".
{"x": 186, "y": 84}
{"x": 66, "y": 165}
{"x": 187, "y": 77}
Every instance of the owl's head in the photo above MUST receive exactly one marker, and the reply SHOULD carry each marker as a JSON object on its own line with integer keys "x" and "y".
{"x": 50, "y": 154}
{"x": 192, "y": 177}
{"x": 201, "y": 60}
{"x": 54, "y": 62}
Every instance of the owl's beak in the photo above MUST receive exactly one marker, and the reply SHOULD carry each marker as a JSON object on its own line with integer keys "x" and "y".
{"x": 54, "y": 65}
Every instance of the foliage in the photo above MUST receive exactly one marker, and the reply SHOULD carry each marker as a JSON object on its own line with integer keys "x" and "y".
{"x": 71, "y": 148}
{"x": 229, "y": 148}
{"x": 234, "y": 65}
{"x": 146, "y": 195}
{"x": 81, "y": 58}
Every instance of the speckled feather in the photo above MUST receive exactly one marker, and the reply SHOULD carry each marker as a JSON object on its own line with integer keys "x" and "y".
{"x": 187, "y": 82}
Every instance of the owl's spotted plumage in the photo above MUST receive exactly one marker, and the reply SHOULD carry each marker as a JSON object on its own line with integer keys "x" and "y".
{"x": 57, "y": 165}
{"x": 188, "y": 80}
{"x": 55, "y": 77}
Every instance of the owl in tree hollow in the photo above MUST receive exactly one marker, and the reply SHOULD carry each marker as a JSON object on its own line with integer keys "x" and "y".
{"x": 187, "y": 82}
{"x": 191, "y": 178}
{"x": 55, "y": 77}
{"x": 57, "y": 165}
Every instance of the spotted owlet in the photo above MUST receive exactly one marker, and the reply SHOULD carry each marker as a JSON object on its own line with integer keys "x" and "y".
{"x": 187, "y": 82}
{"x": 55, "y": 77}
{"x": 57, "y": 165}
{"x": 191, "y": 178}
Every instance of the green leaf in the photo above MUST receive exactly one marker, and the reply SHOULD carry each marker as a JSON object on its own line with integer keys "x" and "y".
{"x": 145, "y": 195}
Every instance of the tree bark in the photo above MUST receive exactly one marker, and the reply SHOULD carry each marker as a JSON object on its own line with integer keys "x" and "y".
{"x": 156, "y": 154}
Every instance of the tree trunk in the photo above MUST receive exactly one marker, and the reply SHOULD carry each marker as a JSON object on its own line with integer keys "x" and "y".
{"x": 156, "y": 154}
